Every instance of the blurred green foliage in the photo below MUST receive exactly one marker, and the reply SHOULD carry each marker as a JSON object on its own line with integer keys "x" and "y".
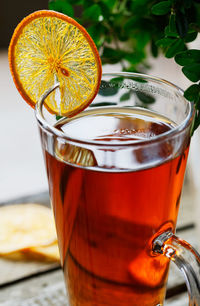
{"x": 125, "y": 31}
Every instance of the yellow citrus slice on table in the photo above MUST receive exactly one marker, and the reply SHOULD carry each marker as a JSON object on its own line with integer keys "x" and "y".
{"x": 49, "y": 252}
{"x": 25, "y": 226}
{"x": 49, "y": 47}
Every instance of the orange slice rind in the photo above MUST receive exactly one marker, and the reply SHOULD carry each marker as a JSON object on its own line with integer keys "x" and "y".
{"x": 49, "y": 252}
{"x": 49, "y": 47}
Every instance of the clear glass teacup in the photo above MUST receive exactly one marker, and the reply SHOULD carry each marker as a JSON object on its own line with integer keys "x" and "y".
{"x": 115, "y": 175}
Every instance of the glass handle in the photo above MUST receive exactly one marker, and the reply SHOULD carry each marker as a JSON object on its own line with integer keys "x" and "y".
{"x": 186, "y": 258}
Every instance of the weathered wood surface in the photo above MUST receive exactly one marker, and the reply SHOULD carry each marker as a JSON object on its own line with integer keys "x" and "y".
{"x": 12, "y": 271}
{"x": 49, "y": 290}
{"x": 44, "y": 290}
{"x": 42, "y": 198}
{"x": 187, "y": 208}
{"x": 178, "y": 300}
{"x": 34, "y": 283}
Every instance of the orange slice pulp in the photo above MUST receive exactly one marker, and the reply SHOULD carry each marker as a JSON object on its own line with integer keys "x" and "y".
{"x": 24, "y": 226}
{"x": 49, "y": 47}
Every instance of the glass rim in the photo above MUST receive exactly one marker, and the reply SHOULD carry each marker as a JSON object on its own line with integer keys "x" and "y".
{"x": 170, "y": 133}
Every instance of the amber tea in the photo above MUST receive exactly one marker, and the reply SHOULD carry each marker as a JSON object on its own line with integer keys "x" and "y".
{"x": 108, "y": 208}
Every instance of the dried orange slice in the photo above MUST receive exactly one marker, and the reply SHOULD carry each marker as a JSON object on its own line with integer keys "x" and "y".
{"x": 43, "y": 253}
{"x": 49, "y": 47}
{"x": 49, "y": 252}
{"x": 25, "y": 226}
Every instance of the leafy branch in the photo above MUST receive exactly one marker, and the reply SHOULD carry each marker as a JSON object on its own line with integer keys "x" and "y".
{"x": 182, "y": 28}
{"x": 123, "y": 30}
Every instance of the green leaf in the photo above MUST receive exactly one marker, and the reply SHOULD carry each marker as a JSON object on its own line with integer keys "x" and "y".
{"x": 172, "y": 23}
{"x": 125, "y": 96}
{"x": 108, "y": 89}
{"x": 135, "y": 57}
{"x": 192, "y": 93}
{"x": 187, "y": 3}
{"x": 116, "y": 82}
{"x": 154, "y": 48}
{"x": 97, "y": 33}
{"x": 61, "y": 6}
{"x": 161, "y": 8}
{"x": 168, "y": 32}
{"x": 131, "y": 23}
{"x": 174, "y": 48}
{"x": 142, "y": 39}
{"x": 192, "y": 72}
{"x": 105, "y": 11}
{"x": 144, "y": 98}
{"x": 181, "y": 24}
{"x": 165, "y": 42}
{"x": 110, "y": 4}
{"x": 78, "y": 2}
{"x": 102, "y": 104}
{"x": 190, "y": 37}
{"x": 138, "y": 6}
{"x": 92, "y": 13}
{"x": 188, "y": 57}
{"x": 112, "y": 55}
{"x": 197, "y": 120}
{"x": 58, "y": 117}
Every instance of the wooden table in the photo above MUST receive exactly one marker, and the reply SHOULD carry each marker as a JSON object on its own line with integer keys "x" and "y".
{"x": 34, "y": 283}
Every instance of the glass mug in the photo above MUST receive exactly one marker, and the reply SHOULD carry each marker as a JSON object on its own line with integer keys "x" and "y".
{"x": 115, "y": 175}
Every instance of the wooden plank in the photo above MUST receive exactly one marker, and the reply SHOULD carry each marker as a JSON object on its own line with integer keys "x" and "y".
{"x": 11, "y": 271}
{"x": 44, "y": 290}
{"x": 50, "y": 290}
{"x": 178, "y": 300}
{"x": 187, "y": 205}
{"x": 41, "y": 198}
